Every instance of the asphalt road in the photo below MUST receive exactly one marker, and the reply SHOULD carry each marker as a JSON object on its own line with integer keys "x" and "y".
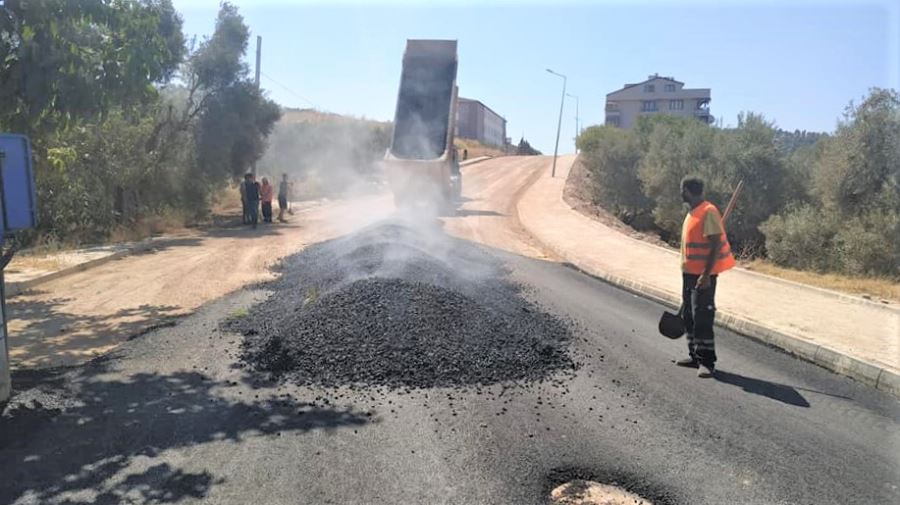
{"x": 169, "y": 418}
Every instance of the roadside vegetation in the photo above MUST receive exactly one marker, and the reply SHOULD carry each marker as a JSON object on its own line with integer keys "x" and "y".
{"x": 131, "y": 123}
{"x": 812, "y": 202}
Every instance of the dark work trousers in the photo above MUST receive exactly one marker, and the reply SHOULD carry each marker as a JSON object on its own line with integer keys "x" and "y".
{"x": 699, "y": 313}
{"x": 253, "y": 212}
{"x": 245, "y": 212}
{"x": 267, "y": 212}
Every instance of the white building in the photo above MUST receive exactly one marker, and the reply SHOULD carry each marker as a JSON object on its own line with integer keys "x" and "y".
{"x": 656, "y": 95}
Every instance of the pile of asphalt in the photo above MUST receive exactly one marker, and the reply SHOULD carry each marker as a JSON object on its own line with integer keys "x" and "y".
{"x": 400, "y": 307}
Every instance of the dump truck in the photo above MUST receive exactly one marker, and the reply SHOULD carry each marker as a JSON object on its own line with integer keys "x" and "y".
{"x": 421, "y": 164}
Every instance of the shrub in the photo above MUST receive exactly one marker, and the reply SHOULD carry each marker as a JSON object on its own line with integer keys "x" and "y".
{"x": 611, "y": 157}
{"x": 869, "y": 245}
{"x": 803, "y": 238}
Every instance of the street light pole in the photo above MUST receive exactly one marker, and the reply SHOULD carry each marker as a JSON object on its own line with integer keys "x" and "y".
{"x": 559, "y": 123}
{"x": 577, "y": 129}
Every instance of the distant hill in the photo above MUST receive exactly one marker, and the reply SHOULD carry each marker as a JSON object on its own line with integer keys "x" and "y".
{"x": 291, "y": 115}
{"x": 790, "y": 141}
{"x": 325, "y": 152}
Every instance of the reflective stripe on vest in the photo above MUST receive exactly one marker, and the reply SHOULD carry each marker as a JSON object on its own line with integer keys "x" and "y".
{"x": 697, "y": 246}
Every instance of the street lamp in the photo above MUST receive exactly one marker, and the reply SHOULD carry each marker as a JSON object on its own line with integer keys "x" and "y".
{"x": 559, "y": 124}
{"x": 577, "y": 130}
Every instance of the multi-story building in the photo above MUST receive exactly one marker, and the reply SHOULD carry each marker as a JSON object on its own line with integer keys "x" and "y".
{"x": 656, "y": 95}
{"x": 475, "y": 120}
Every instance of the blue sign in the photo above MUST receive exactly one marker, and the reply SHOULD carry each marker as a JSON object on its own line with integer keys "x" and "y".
{"x": 19, "y": 204}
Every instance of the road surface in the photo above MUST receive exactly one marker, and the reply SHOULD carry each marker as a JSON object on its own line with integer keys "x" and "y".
{"x": 168, "y": 418}
{"x": 77, "y": 317}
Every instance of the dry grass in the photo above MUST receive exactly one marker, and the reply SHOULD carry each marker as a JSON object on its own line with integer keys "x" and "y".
{"x": 41, "y": 261}
{"x": 873, "y": 288}
{"x": 476, "y": 149}
{"x": 227, "y": 201}
{"x": 167, "y": 223}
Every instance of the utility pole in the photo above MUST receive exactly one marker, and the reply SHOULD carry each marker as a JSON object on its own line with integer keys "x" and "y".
{"x": 559, "y": 123}
{"x": 577, "y": 129}
{"x": 258, "y": 57}
{"x": 5, "y": 376}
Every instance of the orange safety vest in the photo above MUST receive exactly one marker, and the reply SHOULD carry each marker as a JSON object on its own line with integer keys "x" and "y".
{"x": 697, "y": 246}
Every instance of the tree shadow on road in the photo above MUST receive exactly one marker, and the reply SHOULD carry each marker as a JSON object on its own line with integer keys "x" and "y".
{"x": 91, "y": 436}
{"x": 773, "y": 390}
{"x": 44, "y": 332}
{"x": 247, "y": 232}
{"x": 165, "y": 243}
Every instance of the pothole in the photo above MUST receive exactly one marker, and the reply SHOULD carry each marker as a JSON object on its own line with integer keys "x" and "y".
{"x": 587, "y": 492}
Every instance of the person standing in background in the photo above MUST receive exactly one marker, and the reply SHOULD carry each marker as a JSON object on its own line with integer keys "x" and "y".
{"x": 251, "y": 189}
{"x": 284, "y": 189}
{"x": 244, "y": 214}
{"x": 266, "y": 192}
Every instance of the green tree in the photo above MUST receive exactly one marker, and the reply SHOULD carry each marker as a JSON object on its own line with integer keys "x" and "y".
{"x": 611, "y": 157}
{"x": 65, "y": 69}
{"x": 750, "y": 153}
{"x": 525, "y": 149}
{"x": 853, "y": 218}
{"x": 232, "y": 130}
{"x": 227, "y": 117}
{"x": 676, "y": 147}
{"x": 63, "y": 61}
{"x": 860, "y": 166}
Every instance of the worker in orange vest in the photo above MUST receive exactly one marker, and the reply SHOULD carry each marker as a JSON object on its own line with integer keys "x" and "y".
{"x": 705, "y": 253}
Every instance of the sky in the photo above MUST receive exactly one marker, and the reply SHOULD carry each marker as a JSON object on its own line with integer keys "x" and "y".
{"x": 799, "y": 63}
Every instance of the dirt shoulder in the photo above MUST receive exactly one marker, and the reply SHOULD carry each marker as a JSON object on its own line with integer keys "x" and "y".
{"x": 79, "y": 316}
{"x": 577, "y": 195}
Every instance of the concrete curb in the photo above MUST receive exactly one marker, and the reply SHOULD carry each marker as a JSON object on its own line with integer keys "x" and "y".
{"x": 17, "y": 288}
{"x": 475, "y": 160}
{"x": 866, "y": 373}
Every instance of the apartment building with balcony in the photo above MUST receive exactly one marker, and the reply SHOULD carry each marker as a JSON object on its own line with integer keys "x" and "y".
{"x": 656, "y": 95}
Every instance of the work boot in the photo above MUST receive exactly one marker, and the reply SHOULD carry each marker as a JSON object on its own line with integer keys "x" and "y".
{"x": 688, "y": 363}
{"x": 705, "y": 372}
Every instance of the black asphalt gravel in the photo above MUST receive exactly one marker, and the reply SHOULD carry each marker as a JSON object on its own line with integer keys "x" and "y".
{"x": 429, "y": 328}
{"x": 175, "y": 415}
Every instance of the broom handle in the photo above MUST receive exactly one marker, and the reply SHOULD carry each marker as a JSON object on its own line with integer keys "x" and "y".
{"x": 733, "y": 201}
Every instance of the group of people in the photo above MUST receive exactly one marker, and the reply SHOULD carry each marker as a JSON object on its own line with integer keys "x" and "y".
{"x": 255, "y": 195}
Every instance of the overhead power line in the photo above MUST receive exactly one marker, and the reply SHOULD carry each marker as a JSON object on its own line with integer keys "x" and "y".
{"x": 289, "y": 90}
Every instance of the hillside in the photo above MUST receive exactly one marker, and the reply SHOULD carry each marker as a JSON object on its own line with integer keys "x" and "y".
{"x": 326, "y": 153}
{"x": 477, "y": 149}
